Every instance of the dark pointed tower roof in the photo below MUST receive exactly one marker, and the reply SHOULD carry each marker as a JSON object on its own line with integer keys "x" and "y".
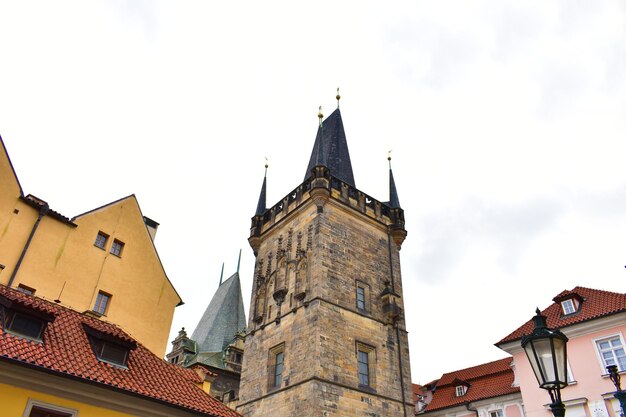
{"x": 262, "y": 205}
{"x": 394, "y": 201}
{"x": 331, "y": 149}
{"x": 222, "y": 319}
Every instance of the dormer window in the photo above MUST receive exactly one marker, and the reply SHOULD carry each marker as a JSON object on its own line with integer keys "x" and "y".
{"x": 23, "y": 321}
{"x": 461, "y": 390}
{"x": 109, "y": 349}
{"x": 568, "y": 307}
{"x": 25, "y": 325}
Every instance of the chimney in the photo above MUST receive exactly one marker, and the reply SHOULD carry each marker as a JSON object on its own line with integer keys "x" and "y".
{"x": 152, "y": 226}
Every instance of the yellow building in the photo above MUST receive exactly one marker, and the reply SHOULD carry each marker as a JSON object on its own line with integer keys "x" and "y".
{"x": 57, "y": 362}
{"x": 103, "y": 262}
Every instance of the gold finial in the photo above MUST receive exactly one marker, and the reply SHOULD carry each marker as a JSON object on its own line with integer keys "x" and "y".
{"x": 338, "y": 97}
{"x": 320, "y": 115}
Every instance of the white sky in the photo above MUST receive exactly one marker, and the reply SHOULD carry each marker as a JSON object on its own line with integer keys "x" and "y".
{"x": 506, "y": 120}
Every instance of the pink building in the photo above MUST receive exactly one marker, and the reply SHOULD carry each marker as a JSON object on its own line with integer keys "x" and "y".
{"x": 594, "y": 322}
{"x": 485, "y": 390}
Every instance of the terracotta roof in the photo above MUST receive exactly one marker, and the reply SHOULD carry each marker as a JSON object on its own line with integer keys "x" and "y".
{"x": 594, "y": 304}
{"x": 488, "y": 380}
{"x": 66, "y": 351}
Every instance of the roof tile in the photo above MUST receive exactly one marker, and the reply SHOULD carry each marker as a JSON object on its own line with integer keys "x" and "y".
{"x": 66, "y": 350}
{"x": 488, "y": 380}
{"x": 595, "y": 304}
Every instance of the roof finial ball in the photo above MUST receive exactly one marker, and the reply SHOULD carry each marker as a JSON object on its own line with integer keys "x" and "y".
{"x": 320, "y": 115}
{"x": 338, "y": 97}
{"x": 389, "y": 158}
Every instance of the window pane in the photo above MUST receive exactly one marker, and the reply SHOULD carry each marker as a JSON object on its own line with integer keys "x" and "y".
{"x": 363, "y": 367}
{"x": 114, "y": 354}
{"x": 26, "y": 326}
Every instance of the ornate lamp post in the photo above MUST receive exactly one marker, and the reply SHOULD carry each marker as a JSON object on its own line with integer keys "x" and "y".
{"x": 620, "y": 394}
{"x": 547, "y": 354}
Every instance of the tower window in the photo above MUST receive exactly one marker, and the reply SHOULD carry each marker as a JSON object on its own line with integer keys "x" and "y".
{"x": 101, "y": 240}
{"x": 117, "y": 247}
{"x": 102, "y": 302}
{"x": 365, "y": 357}
{"x": 362, "y": 296}
{"x": 276, "y": 363}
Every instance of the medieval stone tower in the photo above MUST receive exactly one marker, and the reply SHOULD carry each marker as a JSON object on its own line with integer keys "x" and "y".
{"x": 326, "y": 334}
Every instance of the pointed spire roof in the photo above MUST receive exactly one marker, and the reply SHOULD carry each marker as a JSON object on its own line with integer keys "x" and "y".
{"x": 394, "y": 201}
{"x": 262, "y": 204}
{"x": 222, "y": 319}
{"x": 331, "y": 149}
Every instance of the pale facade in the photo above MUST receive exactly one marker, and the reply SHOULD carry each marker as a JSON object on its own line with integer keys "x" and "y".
{"x": 595, "y": 323}
{"x": 103, "y": 262}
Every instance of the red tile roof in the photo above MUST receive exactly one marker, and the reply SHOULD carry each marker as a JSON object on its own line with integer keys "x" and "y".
{"x": 66, "y": 351}
{"x": 594, "y": 304}
{"x": 488, "y": 380}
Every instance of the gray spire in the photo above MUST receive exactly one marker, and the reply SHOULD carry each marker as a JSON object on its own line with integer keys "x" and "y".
{"x": 261, "y": 206}
{"x": 331, "y": 149}
{"x": 394, "y": 201}
{"x": 222, "y": 319}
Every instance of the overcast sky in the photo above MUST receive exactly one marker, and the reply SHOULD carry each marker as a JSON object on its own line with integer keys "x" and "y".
{"x": 507, "y": 121}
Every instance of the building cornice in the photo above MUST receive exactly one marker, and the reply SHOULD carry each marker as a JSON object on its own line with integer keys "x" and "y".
{"x": 89, "y": 392}
{"x": 576, "y": 330}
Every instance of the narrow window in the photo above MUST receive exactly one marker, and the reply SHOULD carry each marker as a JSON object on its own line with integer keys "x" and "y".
{"x": 568, "y": 307}
{"x": 101, "y": 240}
{"x": 117, "y": 247}
{"x": 364, "y": 368}
{"x": 276, "y": 363}
{"x": 365, "y": 357}
{"x": 102, "y": 302}
{"x": 25, "y": 289}
{"x": 360, "y": 298}
{"x": 612, "y": 352}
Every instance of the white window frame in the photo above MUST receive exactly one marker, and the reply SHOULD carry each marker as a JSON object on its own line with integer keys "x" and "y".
{"x": 499, "y": 412}
{"x": 570, "y": 375}
{"x": 569, "y": 302}
{"x": 460, "y": 390}
{"x": 54, "y": 408}
{"x": 596, "y": 348}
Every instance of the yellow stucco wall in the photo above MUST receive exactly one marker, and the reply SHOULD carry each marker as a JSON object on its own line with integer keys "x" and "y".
{"x": 63, "y": 263}
{"x": 14, "y": 400}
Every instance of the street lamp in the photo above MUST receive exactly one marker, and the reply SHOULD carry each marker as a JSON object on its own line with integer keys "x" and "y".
{"x": 547, "y": 354}
{"x": 620, "y": 394}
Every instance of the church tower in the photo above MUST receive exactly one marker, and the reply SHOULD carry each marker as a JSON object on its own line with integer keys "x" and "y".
{"x": 326, "y": 334}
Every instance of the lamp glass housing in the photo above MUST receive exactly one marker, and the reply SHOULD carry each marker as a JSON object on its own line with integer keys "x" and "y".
{"x": 547, "y": 353}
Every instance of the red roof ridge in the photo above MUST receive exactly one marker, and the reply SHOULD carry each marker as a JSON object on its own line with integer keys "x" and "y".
{"x": 67, "y": 352}
{"x": 475, "y": 372}
{"x": 594, "y": 304}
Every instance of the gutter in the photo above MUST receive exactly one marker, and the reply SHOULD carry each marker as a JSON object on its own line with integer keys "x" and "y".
{"x": 43, "y": 210}
{"x": 467, "y": 405}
